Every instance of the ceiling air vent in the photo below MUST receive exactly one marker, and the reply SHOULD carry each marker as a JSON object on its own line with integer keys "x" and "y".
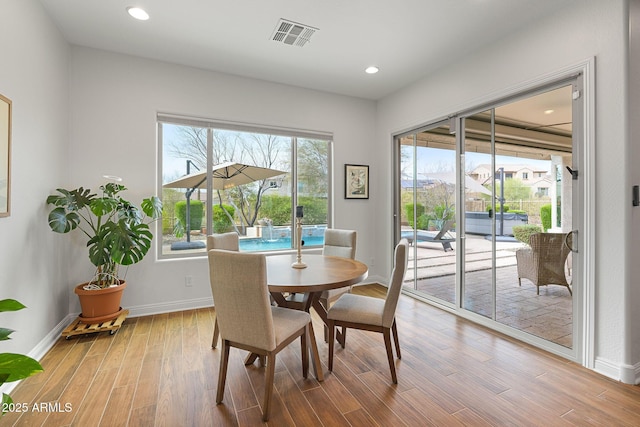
{"x": 292, "y": 33}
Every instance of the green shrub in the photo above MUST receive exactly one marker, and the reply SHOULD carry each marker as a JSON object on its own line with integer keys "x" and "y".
{"x": 196, "y": 212}
{"x": 545, "y": 216}
{"x": 278, "y": 209}
{"x": 423, "y": 222}
{"x": 169, "y": 198}
{"x": 315, "y": 209}
{"x": 221, "y": 221}
{"x": 517, "y": 211}
{"x": 408, "y": 209}
{"x": 167, "y": 222}
{"x": 523, "y": 232}
{"x": 505, "y": 208}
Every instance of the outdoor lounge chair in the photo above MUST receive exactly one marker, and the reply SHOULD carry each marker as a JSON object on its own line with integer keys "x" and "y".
{"x": 443, "y": 236}
{"x": 544, "y": 261}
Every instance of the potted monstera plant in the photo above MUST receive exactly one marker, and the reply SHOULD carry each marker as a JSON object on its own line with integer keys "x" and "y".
{"x": 117, "y": 233}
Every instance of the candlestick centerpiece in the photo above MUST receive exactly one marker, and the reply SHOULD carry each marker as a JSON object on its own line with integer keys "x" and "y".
{"x": 299, "y": 216}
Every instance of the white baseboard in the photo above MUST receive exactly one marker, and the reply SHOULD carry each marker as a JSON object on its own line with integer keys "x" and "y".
{"x": 628, "y": 374}
{"x": 374, "y": 279}
{"x": 169, "y": 307}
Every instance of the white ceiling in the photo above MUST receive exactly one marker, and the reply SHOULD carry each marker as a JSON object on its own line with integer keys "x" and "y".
{"x": 406, "y": 39}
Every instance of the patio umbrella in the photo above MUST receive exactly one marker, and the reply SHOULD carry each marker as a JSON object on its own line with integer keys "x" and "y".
{"x": 225, "y": 175}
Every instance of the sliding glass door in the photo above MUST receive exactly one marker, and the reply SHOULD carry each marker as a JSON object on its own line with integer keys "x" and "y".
{"x": 486, "y": 200}
{"x": 427, "y": 207}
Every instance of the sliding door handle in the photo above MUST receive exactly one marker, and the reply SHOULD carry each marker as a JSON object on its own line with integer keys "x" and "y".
{"x": 571, "y": 242}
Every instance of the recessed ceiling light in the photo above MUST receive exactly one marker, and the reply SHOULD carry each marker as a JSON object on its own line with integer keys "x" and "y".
{"x": 549, "y": 111}
{"x": 138, "y": 13}
{"x": 372, "y": 69}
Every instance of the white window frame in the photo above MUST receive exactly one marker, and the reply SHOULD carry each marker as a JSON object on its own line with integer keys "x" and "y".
{"x": 167, "y": 118}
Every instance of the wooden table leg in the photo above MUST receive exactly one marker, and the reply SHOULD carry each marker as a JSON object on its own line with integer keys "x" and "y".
{"x": 307, "y": 301}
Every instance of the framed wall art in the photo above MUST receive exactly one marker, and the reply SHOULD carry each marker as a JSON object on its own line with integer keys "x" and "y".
{"x": 356, "y": 181}
{"x": 5, "y": 156}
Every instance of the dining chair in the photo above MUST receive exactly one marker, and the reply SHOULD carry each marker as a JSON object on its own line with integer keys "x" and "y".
{"x": 340, "y": 243}
{"x": 372, "y": 314}
{"x": 228, "y": 242}
{"x": 248, "y": 321}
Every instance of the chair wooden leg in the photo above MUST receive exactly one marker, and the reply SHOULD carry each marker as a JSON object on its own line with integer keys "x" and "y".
{"x": 268, "y": 386}
{"x": 394, "y": 330}
{"x": 386, "y": 332}
{"x": 251, "y": 357}
{"x": 305, "y": 351}
{"x": 216, "y": 334}
{"x": 344, "y": 337}
{"x": 519, "y": 281}
{"x": 332, "y": 331}
{"x": 222, "y": 375}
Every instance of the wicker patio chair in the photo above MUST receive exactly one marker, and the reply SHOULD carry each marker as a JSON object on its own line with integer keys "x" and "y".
{"x": 544, "y": 261}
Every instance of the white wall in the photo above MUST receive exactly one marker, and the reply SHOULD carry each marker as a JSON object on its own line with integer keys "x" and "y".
{"x": 596, "y": 28}
{"x": 114, "y": 100}
{"x": 34, "y": 75}
{"x": 633, "y": 307}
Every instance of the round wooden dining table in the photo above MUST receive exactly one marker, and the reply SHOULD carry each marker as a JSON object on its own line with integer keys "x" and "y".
{"x": 322, "y": 273}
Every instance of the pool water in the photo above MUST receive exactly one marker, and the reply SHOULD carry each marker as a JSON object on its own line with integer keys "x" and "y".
{"x": 261, "y": 244}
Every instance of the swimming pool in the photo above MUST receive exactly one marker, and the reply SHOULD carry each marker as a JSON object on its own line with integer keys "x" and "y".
{"x": 261, "y": 244}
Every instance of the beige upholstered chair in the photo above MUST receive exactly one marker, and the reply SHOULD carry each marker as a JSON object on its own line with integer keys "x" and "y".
{"x": 372, "y": 314}
{"x": 247, "y": 319}
{"x": 340, "y": 243}
{"x": 543, "y": 262}
{"x": 228, "y": 242}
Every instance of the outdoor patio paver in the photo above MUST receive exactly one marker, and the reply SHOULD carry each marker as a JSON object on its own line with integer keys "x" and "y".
{"x": 548, "y": 315}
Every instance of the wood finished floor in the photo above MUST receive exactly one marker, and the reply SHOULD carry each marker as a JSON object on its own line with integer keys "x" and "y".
{"x": 161, "y": 371}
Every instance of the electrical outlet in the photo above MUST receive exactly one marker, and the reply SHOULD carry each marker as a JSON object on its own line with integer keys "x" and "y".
{"x": 188, "y": 281}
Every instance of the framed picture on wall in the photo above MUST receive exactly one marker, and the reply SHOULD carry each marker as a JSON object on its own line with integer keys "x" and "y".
{"x": 356, "y": 181}
{"x": 5, "y": 155}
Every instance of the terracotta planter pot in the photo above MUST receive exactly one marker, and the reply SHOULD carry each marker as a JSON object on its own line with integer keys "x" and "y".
{"x": 100, "y": 305}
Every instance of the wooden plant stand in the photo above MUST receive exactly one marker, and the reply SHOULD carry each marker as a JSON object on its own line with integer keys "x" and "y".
{"x": 78, "y": 328}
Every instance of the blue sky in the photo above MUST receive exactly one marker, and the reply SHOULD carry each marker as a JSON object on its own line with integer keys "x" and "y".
{"x": 440, "y": 160}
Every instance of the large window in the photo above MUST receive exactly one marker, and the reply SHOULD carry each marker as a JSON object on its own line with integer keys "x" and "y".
{"x": 222, "y": 177}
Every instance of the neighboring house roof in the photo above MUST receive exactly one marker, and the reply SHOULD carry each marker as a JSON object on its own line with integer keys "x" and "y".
{"x": 511, "y": 168}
